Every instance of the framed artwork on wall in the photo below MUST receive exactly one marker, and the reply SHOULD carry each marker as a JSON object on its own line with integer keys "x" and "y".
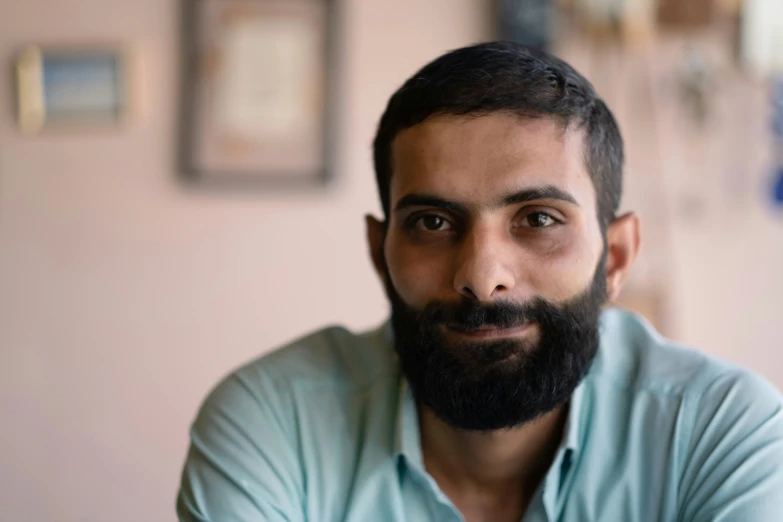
{"x": 70, "y": 87}
{"x": 257, "y": 105}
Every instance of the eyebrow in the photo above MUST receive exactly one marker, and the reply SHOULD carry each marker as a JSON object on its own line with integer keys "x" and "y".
{"x": 514, "y": 198}
{"x": 536, "y": 193}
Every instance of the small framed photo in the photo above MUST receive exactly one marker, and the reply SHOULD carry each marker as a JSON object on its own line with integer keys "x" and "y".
{"x": 258, "y": 99}
{"x": 70, "y": 87}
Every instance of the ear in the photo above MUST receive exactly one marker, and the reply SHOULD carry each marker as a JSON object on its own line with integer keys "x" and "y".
{"x": 376, "y": 236}
{"x": 623, "y": 238}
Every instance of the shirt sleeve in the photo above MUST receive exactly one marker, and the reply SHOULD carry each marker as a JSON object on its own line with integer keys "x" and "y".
{"x": 734, "y": 463}
{"x": 242, "y": 464}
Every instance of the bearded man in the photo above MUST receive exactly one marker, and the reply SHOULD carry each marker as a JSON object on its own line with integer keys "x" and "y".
{"x": 503, "y": 387}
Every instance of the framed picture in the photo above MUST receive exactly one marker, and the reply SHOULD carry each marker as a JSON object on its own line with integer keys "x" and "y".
{"x": 258, "y": 98}
{"x": 71, "y": 87}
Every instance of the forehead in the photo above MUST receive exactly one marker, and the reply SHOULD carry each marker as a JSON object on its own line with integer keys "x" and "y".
{"x": 474, "y": 159}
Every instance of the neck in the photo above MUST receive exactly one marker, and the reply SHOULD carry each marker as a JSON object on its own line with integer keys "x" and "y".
{"x": 513, "y": 460}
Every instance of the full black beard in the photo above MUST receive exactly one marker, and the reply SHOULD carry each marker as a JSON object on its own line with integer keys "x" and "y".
{"x": 491, "y": 385}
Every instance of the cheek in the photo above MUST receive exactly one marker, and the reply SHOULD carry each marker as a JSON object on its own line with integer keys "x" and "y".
{"x": 418, "y": 276}
{"x": 565, "y": 271}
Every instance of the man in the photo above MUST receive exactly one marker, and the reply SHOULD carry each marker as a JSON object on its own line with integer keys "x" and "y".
{"x": 500, "y": 390}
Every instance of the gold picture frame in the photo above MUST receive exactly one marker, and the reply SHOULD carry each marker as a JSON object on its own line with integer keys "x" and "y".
{"x": 72, "y": 87}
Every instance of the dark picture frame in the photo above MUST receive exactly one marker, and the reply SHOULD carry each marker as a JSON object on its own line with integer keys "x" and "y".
{"x": 258, "y": 93}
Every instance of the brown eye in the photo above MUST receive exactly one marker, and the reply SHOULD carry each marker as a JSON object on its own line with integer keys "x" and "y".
{"x": 539, "y": 220}
{"x": 432, "y": 223}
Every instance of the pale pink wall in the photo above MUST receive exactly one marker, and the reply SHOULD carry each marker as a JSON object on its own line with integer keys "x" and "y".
{"x": 124, "y": 297}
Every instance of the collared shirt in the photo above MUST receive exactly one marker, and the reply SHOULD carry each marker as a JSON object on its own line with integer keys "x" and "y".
{"x": 326, "y": 429}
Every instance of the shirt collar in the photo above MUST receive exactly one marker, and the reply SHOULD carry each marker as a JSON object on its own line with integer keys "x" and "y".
{"x": 406, "y": 437}
{"x": 571, "y": 437}
{"x": 407, "y": 443}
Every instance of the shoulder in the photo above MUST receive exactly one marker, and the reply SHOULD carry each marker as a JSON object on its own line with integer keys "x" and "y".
{"x": 719, "y": 426}
{"x": 245, "y": 458}
{"x": 633, "y": 355}
{"x": 716, "y": 407}
{"x": 247, "y": 442}
{"x": 330, "y": 358}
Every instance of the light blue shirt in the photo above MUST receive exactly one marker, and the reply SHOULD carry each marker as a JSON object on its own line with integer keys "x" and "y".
{"x": 326, "y": 429}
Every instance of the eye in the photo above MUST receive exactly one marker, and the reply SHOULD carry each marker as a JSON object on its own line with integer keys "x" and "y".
{"x": 539, "y": 220}
{"x": 431, "y": 223}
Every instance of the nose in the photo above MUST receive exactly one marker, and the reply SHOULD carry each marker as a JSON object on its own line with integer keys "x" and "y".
{"x": 483, "y": 270}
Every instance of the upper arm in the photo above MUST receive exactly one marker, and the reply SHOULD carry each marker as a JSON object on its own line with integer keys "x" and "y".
{"x": 734, "y": 463}
{"x": 242, "y": 464}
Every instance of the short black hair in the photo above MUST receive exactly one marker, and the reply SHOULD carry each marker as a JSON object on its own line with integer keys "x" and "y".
{"x": 507, "y": 77}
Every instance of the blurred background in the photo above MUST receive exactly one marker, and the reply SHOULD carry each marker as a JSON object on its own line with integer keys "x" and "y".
{"x": 154, "y": 235}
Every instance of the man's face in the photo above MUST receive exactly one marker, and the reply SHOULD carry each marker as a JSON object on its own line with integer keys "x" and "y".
{"x": 494, "y": 265}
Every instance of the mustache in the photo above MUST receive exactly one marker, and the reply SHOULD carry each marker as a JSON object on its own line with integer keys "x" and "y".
{"x": 470, "y": 315}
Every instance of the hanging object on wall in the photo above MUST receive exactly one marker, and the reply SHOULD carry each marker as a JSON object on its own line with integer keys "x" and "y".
{"x": 631, "y": 21}
{"x": 777, "y": 131}
{"x": 72, "y": 87}
{"x": 686, "y": 14}
{"x": 525, "y": 21}
{"x": 777, "y": 187}
{"x": 258, "y": 99}
{"x": 601, "y": 19}
{"x": 762, "y": 35}
{"x": 696, "y": 78}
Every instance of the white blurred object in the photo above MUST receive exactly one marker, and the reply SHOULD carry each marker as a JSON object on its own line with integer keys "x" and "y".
{"x": 762, "y": 35}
